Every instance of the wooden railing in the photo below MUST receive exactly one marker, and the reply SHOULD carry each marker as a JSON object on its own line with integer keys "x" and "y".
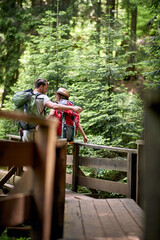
{"x": 38, "y": 197}
{"x": 128, "y": 164}
{"x": 131, "y": 164}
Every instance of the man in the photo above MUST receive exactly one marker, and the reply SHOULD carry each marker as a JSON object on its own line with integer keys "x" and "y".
{"x": 43, "y": 101}
{"x": 62, "y": 96}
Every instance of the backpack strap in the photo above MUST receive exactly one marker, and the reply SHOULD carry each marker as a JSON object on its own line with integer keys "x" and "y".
{"x": 74, "y": 125}
{"x": 63, "y": 125}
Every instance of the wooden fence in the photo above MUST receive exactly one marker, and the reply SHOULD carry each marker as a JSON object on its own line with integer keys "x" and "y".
{"x": 129, "y": 164}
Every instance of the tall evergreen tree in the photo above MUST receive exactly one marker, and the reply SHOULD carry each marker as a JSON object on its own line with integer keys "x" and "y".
{"x": 11, "y": 42}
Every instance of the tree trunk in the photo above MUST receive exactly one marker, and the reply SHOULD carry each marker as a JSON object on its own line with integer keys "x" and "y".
{"x": 110, "y": 8}
{"x": 132, "y": 46}
{"x": 116, "y": 9}
{"x": 37, "y": 3}
{"x": 98, "y": 12}
{"x": 11, "y": 69}
{"x": 133, "y": 23}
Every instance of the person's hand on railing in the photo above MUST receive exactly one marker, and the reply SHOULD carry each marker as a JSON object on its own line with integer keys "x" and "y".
{"x": 85, "y": 139}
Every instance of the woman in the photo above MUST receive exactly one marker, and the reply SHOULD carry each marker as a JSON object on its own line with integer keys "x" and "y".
{"x": 68, "y": 119}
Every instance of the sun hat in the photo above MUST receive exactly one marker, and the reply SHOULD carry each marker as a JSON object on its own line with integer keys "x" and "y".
{"x": 63, "y": 92}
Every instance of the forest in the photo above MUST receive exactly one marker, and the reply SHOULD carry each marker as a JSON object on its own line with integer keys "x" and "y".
{"x": 105, "y": 52}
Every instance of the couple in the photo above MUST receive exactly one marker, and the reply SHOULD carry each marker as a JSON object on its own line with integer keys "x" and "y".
{"x": 43, "y": 101}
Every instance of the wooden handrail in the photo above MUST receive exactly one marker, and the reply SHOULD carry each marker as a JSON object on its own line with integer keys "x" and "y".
{"x": 116, "y": 149}
{"x": 27, "y": 118}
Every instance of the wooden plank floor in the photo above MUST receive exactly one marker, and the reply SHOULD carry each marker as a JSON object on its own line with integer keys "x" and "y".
{"x": 88, "y": 218}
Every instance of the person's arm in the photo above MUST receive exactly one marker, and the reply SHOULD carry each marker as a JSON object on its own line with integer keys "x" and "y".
{"x": 85, "y": 139}
{"x": 56, "y": 106}
{"x": 52, "y": 113}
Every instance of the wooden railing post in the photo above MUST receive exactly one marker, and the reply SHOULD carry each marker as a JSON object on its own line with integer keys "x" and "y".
{"x": 131, "y": 175}
{"x": 140, "y": 174}
{"x": 152, "y": 166}
{"x": 75, "y": 167}
{"x": 59, "y": 190}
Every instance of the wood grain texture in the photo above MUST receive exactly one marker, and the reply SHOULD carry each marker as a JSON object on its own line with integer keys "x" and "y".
{"x": 109, "y": 219}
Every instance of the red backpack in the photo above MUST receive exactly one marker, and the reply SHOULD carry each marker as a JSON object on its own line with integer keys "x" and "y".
{"x": 68, "y": 122}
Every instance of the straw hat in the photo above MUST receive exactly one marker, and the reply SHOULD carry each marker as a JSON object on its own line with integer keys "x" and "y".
{"x": 63, "y": 92}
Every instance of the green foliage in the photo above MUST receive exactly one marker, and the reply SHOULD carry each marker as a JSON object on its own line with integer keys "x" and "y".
{"x": 88, "y": 56}
{"x": 152, "y": 72}
{"x": 91, "y": 71}
{"x": 4, "y": 236}
{"x": 15, "y": 23}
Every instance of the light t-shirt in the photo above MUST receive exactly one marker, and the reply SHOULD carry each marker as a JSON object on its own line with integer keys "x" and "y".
{"x": 41, "y": 101}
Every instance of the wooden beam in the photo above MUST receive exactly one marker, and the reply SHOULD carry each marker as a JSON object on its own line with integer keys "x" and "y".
{"x": 75, "y": 167}
{"x": 115, "y": 149}
{"x": 104, "y": 163}
{"x": 69, "y": 159}
{"x": 16, "y": 154}
{"x": 103, "y": 185}
{"x": 140, "y": 174}
{"x": 7, "y": 176}
{"x": 14, "y": 209}
{"x": 132, "y": 175}
{"x": 13, "y": 137}
{"x": 69, "y": 178}
{"x": 81, "y": 173}
{"x": 44, "y": 180}
{"x": 59, "y": 191}
{"x": 152, "y": 165}
{"x": 27, "y": 118}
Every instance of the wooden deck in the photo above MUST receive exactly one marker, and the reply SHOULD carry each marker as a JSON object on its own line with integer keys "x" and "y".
{"x": 40, "y": 201}
{"x": 88, "y": 218}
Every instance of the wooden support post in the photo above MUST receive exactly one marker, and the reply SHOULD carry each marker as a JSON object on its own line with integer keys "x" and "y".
{"x": 131, "y": 175}
{"x": 152, "y": 166}
{"x": 75, "y": 167}
{"x": 44, "y": 177}
{"x": 140, "y": 174}
{"x": 59, "y": 191}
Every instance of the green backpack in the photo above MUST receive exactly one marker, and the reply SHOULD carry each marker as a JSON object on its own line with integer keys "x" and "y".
{"x": 25, "y": 101}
